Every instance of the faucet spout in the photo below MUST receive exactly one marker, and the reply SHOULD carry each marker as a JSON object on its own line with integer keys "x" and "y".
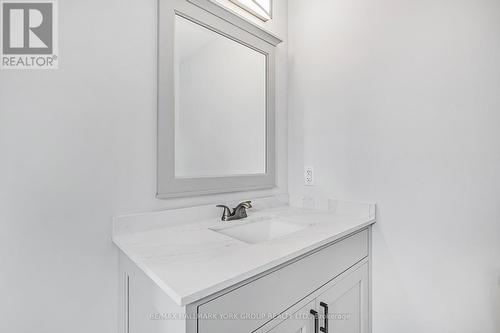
{"x": 226, "y": 213}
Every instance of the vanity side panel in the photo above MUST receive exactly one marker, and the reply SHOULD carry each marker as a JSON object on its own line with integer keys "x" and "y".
{"x": 370, "y": 281}
{"x": 144, "y": 306}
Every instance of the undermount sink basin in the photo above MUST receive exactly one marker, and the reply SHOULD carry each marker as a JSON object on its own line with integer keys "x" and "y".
{"x": 260, "y": 231}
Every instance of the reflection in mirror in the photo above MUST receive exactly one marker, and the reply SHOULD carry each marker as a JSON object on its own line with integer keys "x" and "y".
{"x": 220, "y": 104}
{"x": 259, "y": 8}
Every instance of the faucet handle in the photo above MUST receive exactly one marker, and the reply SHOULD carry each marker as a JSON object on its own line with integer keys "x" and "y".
{"x": 241, "y": 210}
{"x": 247, "y": 204}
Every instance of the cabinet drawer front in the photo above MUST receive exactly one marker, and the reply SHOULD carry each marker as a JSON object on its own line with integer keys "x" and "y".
{"x": 275, "y": 292}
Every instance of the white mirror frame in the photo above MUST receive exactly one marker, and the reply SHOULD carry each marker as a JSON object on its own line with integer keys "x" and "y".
{"x": 216, "y": 18}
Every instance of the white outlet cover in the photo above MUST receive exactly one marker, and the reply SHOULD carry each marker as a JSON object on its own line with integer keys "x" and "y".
{"x": 309, "y": 175}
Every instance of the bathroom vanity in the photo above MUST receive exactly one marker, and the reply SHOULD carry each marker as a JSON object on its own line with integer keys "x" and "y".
{"x": 282, "y": 269}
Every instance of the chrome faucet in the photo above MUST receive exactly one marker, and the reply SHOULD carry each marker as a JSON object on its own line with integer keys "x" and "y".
{"x": 238, "y": 213}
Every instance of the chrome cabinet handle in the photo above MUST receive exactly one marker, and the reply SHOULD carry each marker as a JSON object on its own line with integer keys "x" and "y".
{"x": 316, "y": 320}
{"x": 325, "y": 307}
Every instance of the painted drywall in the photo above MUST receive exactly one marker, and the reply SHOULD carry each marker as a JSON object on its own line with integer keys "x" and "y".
{"x": 398, "y": 102}
{"x": 77, "y": 147}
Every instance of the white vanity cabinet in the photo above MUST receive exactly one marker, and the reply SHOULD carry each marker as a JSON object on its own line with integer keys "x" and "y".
{"x": 331, "y": 279}
{"x": 276, "y": 291}
{"x": 347, "y": 303}
{"x": 299, "y": 322}
{"x": 342, "y": 308}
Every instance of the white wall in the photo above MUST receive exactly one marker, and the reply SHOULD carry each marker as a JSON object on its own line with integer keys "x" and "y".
{"x": 77, "y": 147}
{"x": 398, "y": 101}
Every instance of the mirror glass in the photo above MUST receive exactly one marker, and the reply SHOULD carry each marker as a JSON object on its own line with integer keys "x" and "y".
{"x": 220, "y": 104}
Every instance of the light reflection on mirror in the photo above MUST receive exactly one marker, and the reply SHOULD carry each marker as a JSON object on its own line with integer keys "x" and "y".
{"x": 260, "y": 8}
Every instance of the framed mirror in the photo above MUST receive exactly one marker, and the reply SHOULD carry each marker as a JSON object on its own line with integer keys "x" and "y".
{"x": 216, "y": 101}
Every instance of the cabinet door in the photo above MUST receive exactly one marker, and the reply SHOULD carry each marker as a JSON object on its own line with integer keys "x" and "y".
{"x": 346, "y": 304}
{"x": 301, "y": 321}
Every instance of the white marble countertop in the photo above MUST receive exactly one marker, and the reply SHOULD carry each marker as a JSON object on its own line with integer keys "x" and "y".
{"x": 189, "y": 261}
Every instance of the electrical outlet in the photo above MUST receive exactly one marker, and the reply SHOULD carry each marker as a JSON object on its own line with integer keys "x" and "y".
{"x": 309, "y": 175}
